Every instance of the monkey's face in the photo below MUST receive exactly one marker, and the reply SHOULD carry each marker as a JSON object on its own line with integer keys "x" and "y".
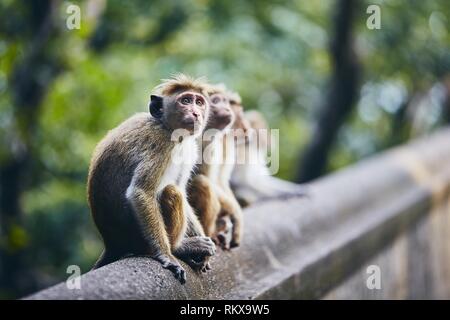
{"x": 220, "y": 116}
{"x": 186, "y": 110}
{"x": 242, "y": 129}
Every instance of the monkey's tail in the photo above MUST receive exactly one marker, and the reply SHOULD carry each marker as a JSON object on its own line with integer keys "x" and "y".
{"x": 105, "y": 258}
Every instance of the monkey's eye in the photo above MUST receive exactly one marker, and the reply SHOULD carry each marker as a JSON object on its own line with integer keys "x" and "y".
{"x": 186, "y": 100}
{"x": 199, "y": 102}
{"x": 215, "y": 100}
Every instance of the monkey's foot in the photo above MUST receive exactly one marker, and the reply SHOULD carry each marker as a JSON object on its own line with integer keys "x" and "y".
{"x": 234, "y": 244}
{"x": 174, "y": 266}
{"x": 224, "y": 233}
{"x": 195, "y": 251}
{"x": 223, "y": 240}
{"x": 226, "y": 242}
{"x": 243, "y": 202}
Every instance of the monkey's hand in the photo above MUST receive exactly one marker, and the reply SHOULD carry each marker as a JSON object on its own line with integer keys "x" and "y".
{"x": 173, "y": 265}
{"x": 195, "y": 251}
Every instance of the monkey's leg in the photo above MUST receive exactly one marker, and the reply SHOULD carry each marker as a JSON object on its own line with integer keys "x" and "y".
{"x": 193, "y": 250}
{"x": 195, "y": 229}
{"x": 171, "y": 203}
{"x": 205, "y": 202}
{"x": 231, "y": 208}
{"x": 148, "y": 211}
{"x": 236, "y": 220}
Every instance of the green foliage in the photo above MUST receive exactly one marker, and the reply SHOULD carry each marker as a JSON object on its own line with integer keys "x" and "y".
{"x": 275, "y": 53}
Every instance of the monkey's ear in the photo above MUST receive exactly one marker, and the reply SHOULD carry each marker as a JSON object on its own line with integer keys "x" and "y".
{"x": 156, "y": 106}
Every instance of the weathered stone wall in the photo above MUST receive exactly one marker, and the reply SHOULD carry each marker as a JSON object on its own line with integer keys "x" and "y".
{"x": 391, "y": 210}
{"x": 416, "y": 265}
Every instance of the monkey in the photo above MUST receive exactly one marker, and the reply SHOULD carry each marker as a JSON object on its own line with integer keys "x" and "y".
{"x": 137, "y": 181}
{"x": 204, "y": 192}
{"x": 230, "y": 219}
{"x": 226, "y": 226}
{"x": 252, "y": 182}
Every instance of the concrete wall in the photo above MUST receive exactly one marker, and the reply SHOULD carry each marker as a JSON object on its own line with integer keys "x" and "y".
{"x": 416, "y": 265}
{"x": 391, "y": 210}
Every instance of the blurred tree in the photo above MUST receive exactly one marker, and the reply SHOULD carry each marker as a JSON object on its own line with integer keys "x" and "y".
{"x": 341, "y": 96}
{"x": 114, "y": 23}
{"x": 273, "y": 52}
{"x": 446, "y": 102}
{"x": 32, "y": 73}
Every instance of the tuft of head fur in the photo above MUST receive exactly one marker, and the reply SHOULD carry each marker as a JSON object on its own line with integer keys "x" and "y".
{"x": 234, "y": 97}
{"x": 216, "y": 88}
{"x": 181, "y": 82}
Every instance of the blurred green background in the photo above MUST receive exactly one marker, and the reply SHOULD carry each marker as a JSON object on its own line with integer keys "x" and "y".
{"x": 337, "y": 91}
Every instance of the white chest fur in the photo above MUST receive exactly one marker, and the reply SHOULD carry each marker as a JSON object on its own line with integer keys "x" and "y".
{"x": 229, "y": 160}
{"x": 213, "y": 157}
{"x": 183, "y": 158}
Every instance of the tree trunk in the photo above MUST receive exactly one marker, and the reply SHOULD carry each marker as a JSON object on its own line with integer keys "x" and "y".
{"x": 339, "y": 101}
{"x": 446, "y": 103}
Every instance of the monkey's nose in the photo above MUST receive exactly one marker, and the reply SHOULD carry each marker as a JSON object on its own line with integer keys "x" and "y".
{"x": 195, "y": 114}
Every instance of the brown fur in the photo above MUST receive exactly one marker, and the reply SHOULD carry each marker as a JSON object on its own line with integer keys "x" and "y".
{"x": 234, "y": 97}
{"x": 241, "y": 132}
{"x": 216, "y": 88}
{"x": 125, "y": 173}
{"x": 257, "y": 122}
{"x": 252, "y": 182}
{"x": 204, "y": 200}
{"x": 229, "y": 205}
{"x": 203, "y": 188}
{"x": 112, "y": 168}
{"x": 171, "y": 202}
{"x": 210, "y": 193}
{"x": 242, "y": 127}
{"x": 181, "y": 82}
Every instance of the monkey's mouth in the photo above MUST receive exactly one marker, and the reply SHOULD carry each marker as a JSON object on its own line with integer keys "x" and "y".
{"x": 222, "y": 125}
{"x": 192, "y": 124}
{"x": 219, "y": 123}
